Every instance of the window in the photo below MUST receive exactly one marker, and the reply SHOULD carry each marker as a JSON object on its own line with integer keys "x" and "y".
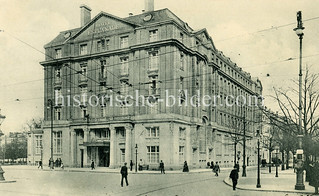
{"x": 58, "y": 53}
{"x": 107, "y": 44}
{"x": 182, "y": 134}
{"x": 122, "y": 155}
{"x": 83, "y": 49}
{"x": 38, "y": 144}
{"x": 84, "y": 112}
{"x": 124, "y": 42}
{"x": 103, "y": 69}
{"x": 153, "y": 35}
{"x": 181, "y": 154}
{"x": 124, "y": 87}
{"x": 103, "y": 111}
{"x": 59, "y": 97}
{"x": 182, "y": 61}
{"x": 57, "y": 142}
{"x": 153, "y": 87}
{"x": 99, "y": 45}
{"x": 57, "y": 113}
{"x": 153, "y": 154}
{"x": 153, "y": 131}
{"x": 153, "y": 60}
{"x": 181, "y": 37}
{"x": 57, "y": 75}
{"x": 84, "y": 95}
{"x": 124, "y": 65}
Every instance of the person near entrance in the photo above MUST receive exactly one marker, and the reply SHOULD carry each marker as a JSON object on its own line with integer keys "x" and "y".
{"x": 92, "y": 165}
{"x": 162, "y": 167}
{"x": 124, "y": 174}
{"x": 131, "y": 165}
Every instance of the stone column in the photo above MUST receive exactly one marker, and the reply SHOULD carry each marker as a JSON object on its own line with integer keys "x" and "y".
{"x": 85, "y": 151}
{"x": 128, "y": 143}
{"x": 73, "y": 149}
{"x": 112, "y": 147}
{"x": 188, "y": 146}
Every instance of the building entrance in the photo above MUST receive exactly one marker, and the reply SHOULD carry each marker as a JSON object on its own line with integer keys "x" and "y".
{"x": 104, "y": 156}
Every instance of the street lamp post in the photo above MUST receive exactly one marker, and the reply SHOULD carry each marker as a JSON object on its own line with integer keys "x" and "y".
{"x": 258, "y": 167}
{"x": 1, "y": 134}
{"x": 50, "y": 104}
{"x": 136, "y": 158}
{"x": 299, "y": 31}
{"x": 277, "y": 152}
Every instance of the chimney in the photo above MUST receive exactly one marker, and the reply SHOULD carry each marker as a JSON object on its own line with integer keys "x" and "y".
{"x": 149, "y": 5}
{"x": 85, "y": 15}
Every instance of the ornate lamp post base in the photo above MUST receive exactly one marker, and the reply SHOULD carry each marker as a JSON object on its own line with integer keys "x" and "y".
{"x": 299, "y": 178}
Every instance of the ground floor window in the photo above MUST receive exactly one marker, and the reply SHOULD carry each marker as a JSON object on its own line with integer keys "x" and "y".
{"x": 153, "y": 154}
{"x": 122, "y": 155}
{"x": 181, "y": 154}
{"x": 38, "y": 144}
{"x": 57, "y": 142}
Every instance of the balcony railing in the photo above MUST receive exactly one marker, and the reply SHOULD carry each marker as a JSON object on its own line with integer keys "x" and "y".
{"x": 83, "y": 81}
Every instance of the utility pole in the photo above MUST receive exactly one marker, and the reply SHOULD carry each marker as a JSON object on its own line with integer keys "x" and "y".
{"x": 136, "y": 158}
{"x": 244, "y": 146}
{"x": 50, "y": 104}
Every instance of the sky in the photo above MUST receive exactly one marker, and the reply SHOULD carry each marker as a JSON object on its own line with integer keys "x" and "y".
{"x": 257, "y": 35}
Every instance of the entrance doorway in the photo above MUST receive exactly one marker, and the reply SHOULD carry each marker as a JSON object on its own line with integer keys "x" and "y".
{"x": 104, "y": 156}
{"x": 82, "y": 158}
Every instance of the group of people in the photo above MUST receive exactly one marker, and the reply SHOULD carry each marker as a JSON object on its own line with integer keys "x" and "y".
{"x": 233, "y": 174}
{"x": 57, "y": 163}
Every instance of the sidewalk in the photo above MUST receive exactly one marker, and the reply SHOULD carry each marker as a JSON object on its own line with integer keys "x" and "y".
{"x": 116, "y": 170}
{"x": 285, "y": 182}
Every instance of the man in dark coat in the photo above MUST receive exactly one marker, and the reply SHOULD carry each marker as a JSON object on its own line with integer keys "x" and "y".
{"x": 216, "y": 169}
{"x": 124, "y": 174}
{"x": 234, "y": 177}
{"x": 162, "y": 167}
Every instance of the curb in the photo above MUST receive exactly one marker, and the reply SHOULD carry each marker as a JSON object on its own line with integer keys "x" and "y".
{"x": 157, "y": 173}
{"x": 263, "y": 190}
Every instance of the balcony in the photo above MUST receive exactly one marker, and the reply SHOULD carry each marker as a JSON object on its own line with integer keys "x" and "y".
{"x": 57, "y": 83}
{"x": 102, "y": 79}
{"x": 83, "y": 81}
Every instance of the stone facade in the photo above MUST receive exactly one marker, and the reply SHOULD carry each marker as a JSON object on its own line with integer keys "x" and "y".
{"x": 156, "y": 54}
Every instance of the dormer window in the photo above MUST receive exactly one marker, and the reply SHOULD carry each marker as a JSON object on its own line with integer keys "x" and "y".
{"x": 83, "y": 49}
{"x": 58, "y": 53}
{"x": 124, "y": 42}
{"x": 154, "y": 35}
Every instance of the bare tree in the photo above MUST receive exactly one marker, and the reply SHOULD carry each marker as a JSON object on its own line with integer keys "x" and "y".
{"x": 289, "y": 116}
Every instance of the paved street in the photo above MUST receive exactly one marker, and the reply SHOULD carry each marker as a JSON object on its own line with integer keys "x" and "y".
{"x": 30, "y": 181}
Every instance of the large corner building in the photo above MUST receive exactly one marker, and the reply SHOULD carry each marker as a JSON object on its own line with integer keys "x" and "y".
{"x": 154, "y": 53}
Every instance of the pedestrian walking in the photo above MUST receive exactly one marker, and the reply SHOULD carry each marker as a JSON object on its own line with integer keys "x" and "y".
{"x": 234, "y": 177}
{"x": 40, "y": 165}
{"x": 62, "y": 166}
{"x": 212, "y": 164}
{"x": 131, "y": 165}
{"x": 124, "y": 174}
{"x": 162, "y": 167}
{"x": 92, "y": 165}
{"x": 185, "y": 167}
{"x": 216, "y": 169}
